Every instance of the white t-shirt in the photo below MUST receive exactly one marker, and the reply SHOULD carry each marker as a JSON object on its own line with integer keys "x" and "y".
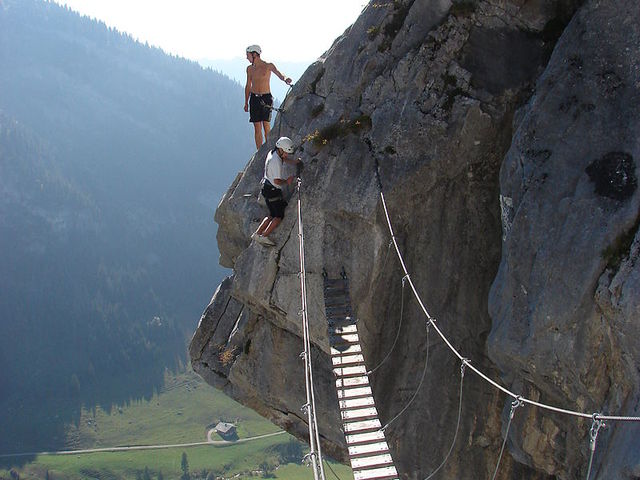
{"x": 273, "y": 168}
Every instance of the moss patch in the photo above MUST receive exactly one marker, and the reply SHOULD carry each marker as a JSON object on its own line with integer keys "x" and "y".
{"x": 339, "y": 129}
{"x": 372, "y": 32}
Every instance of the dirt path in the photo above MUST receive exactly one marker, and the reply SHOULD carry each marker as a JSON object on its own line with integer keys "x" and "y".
{"x": 145, "y": 447}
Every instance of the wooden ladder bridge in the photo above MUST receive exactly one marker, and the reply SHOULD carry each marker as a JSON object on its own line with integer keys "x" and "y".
{"x": 368, "y": 449}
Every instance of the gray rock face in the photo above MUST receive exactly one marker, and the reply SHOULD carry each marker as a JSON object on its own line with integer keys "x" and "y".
{"x": 427, "y": 92}
{"x": 565, "y": 303}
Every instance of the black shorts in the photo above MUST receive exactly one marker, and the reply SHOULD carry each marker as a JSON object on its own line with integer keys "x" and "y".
{"x": 275, "y": 202}
{"x": 259, "y": 107}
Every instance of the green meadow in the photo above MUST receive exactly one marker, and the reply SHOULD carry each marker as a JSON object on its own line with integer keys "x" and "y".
{"x": 182, "y": 412}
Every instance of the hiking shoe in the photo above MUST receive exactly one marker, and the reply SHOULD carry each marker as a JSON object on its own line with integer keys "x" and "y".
{"x": 255, "y": 236}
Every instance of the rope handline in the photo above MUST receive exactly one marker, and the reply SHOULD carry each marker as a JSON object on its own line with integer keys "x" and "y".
{"x": 465, "y": 363}
{"x": 431, "y": 320}
{"x": 386, "y": 257}
{"x": 384, "y": 266}
{"x": 515, "y": 404}
{"x": 596, "y": 425}
{"x": 397, "y": 334}
{"x": 314, "y": 437}
{"x": 415, "y": 394}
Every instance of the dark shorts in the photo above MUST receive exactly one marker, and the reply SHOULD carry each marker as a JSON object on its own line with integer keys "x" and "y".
{"x": 275, "y": 203}
{"x": 259, "y": 110}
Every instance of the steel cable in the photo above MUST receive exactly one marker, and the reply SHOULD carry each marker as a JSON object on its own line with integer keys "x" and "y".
{"x": 515, "y": 404}
{"x": 415, "y": 394}
{"x": 455, "y": 435}
{"x": 395, "y": 341}
{"x": 310, "y": 407}
{"x": 478, "y": 372}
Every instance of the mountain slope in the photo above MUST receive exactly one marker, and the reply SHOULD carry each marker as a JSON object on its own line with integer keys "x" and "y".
{"x": 113, "y": 156}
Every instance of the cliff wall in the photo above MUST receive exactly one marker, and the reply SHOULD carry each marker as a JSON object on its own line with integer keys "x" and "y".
{"x": 505, "y": 133}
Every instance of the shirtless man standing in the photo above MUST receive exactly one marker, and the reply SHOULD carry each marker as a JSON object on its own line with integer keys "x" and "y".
{"x": 257, "y": 92}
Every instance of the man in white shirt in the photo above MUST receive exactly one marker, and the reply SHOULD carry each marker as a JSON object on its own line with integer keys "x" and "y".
{"x": 272, "y": 183}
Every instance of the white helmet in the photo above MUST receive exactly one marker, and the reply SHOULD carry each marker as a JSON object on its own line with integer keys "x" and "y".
{"x": 254, "y": 49}
{"x": 285, "y": 144}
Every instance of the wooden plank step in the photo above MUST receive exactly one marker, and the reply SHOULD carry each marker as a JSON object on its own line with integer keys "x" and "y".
{"x": 368, "y": 449}
{"x": 348, "y": 351}
{"x": 333, "y": 308}
{"x": 370, "y": 462}
{"x": 347, "y": 359}
{"x": 359, "y": 413}
{"x": 336, "y": 319}
{"x": 355, "y": 371}
{"x": 338, "y": 312}
{"x": 337, "y": 302}
{"x": 360, "y": 438}
{"x": 356, "y": 403}
{"x": 345, "y": 329}
{"x": 341, "y": 347}
{"x": 344, "y": 384}
{"x": 336, "y": 298}
{"x": 346, "y": 338}
{"x": 341, "y": 287}
{"x": 354, "y": 397}
{"x": 376, "y": 473}
{"x": 335, "y": 281}
{"x": 340, "y": 322}
{"x": 337, "y": 324}
{"x": 363, "y": 426}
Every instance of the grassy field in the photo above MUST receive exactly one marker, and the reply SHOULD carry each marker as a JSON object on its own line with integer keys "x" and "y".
{"x": 181, "y": 413}
{"x": 238, "y": 461}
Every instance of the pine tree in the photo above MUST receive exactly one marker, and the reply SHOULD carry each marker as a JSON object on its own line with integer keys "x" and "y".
{"x": 185, "y": 467}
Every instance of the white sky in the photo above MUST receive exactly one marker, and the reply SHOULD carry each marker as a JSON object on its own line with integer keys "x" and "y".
{"x": 287, "y": 30}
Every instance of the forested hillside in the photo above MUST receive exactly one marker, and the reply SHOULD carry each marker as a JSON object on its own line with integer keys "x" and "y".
{"x": 113, "y": 156}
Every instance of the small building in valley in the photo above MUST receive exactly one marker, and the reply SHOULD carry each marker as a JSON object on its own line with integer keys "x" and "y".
{"x": 226, "y": 430}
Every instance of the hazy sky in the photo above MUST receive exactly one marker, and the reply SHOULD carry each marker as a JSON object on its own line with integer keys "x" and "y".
{"x": 287, "y": 30}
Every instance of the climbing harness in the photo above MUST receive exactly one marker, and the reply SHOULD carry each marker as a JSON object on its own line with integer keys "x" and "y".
{"x": 277, "y": 109}
{"x": 309, "y": 408}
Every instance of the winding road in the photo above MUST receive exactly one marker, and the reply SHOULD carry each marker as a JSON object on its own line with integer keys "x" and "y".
{"x": 209, "y": 441}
